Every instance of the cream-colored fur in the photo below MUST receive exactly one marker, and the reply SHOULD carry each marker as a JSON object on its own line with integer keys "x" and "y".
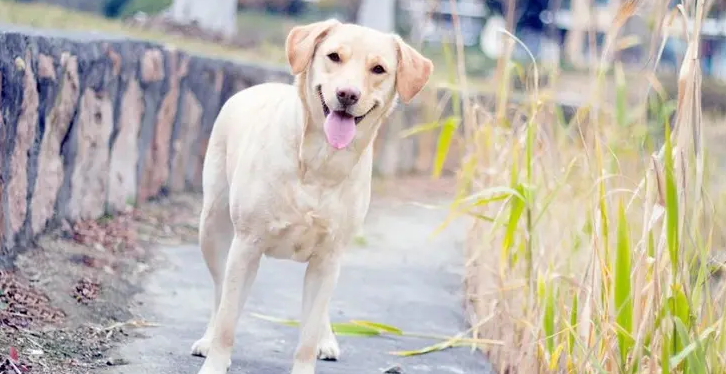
{"x": 274, "y": 186}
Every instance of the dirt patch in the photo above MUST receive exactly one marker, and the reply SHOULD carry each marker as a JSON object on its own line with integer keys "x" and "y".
{"x": 21, "y": 304}
{"x": 66, "y": 301}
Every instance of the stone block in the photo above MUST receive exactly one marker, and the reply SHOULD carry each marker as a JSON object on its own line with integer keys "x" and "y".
{"x": 50, "y": 161}
{"x": 155, "y": 173}
{"x": 46, "y": 68}
{"x": 13, "y": 87}
{"x": 205, "y": 82}
{"x": 124, "y": 150}
{"x": 25, "y": 129}
{"x": 2, "y": 179}
{"x": 89, "y": 180}
{"x": 154, "y": 86}
{"x": 189, "y": 125}
{"x": 152, "y": 66}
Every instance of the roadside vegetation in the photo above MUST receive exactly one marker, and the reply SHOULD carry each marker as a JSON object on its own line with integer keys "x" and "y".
{"x": 596, "y": 240}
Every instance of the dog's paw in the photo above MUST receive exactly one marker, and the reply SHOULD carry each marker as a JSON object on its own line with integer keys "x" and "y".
{"x": 211, "y": 371}
{"x": 215, "y": 367}
{"x": 201, "y": 347}
{"x": 300, "y": 368}
{"x": 328, "y": 349}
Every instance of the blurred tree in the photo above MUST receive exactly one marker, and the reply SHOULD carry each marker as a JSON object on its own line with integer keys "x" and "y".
{"x": 290, "y": 7}
{"x": 219, "y": 16}
{"x": 114, "y": 8}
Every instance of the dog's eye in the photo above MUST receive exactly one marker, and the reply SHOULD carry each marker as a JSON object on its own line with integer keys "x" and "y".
{"x": 334, "y": 57}
{"x": 378, "y": 69}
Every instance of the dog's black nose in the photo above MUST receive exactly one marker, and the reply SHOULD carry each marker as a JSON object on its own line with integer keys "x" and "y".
{"x": 348, "y": 96}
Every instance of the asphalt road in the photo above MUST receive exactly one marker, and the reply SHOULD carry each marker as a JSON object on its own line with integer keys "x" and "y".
{"x": 399, "y": 276}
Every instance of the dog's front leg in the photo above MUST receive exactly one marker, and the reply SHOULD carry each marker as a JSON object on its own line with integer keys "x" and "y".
{"x": 243, "y": 262}
{"x": 320, "y": 279}
{"x": 328, "y": 348}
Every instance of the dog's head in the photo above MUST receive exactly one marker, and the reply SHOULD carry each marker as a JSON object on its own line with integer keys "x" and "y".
{"x": 353, "y": 75}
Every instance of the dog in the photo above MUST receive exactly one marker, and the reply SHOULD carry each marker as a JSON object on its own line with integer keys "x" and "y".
{"x": 287, "y": 174}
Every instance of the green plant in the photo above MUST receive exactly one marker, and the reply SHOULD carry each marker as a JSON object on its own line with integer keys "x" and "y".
{"x": 113, "y": 8}
{"x": 131, "y": 7}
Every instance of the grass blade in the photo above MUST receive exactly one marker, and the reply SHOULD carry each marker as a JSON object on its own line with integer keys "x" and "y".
{"x": 671, "y": 201}
{"x": 378, "y": 326}
{"x": 623, "y": 297}
{"x": 548, "y": 322}
{"x": 448, "y": 128}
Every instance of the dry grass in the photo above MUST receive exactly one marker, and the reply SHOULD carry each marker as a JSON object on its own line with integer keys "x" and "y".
{"x": 593, "y": 242}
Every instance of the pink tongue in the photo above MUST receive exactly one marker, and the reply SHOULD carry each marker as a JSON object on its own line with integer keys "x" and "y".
{"x": 339, "y": 129}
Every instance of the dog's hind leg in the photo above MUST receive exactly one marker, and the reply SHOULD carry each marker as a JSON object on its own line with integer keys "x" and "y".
{"x": 215, "y": 237}
{"x": 240, "y": 272}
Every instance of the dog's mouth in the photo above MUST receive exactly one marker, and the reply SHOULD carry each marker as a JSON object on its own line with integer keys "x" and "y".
{"x": 341, "y": 113}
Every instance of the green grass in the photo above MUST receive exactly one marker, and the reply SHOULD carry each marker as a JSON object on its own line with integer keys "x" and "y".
{"x": 146, "y": 6}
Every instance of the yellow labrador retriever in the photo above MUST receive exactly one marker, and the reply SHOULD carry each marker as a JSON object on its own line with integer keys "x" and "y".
{"x": 287, "y": 174}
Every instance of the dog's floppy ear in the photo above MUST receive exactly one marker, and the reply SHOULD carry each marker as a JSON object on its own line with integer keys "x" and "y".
{"x": 302, "y": 40}
{"x": 413, "y": 70}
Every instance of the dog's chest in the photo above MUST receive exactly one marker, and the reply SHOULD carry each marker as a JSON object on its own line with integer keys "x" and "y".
{"x": 310, "y": 221}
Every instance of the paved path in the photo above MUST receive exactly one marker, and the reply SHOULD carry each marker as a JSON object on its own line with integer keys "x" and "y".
{"x": 399, "y": 277}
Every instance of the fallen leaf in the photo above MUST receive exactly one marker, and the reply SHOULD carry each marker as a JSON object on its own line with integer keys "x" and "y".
{"x": 352, "y": 329}
{"x": 379, "y": 326}
{"x": 416, "y": 352}
{"x": 288, "y": 322}
{"x": 349, "y": 329}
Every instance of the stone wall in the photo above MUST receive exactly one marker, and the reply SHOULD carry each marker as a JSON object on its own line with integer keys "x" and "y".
{"x": 92, "y": 124}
